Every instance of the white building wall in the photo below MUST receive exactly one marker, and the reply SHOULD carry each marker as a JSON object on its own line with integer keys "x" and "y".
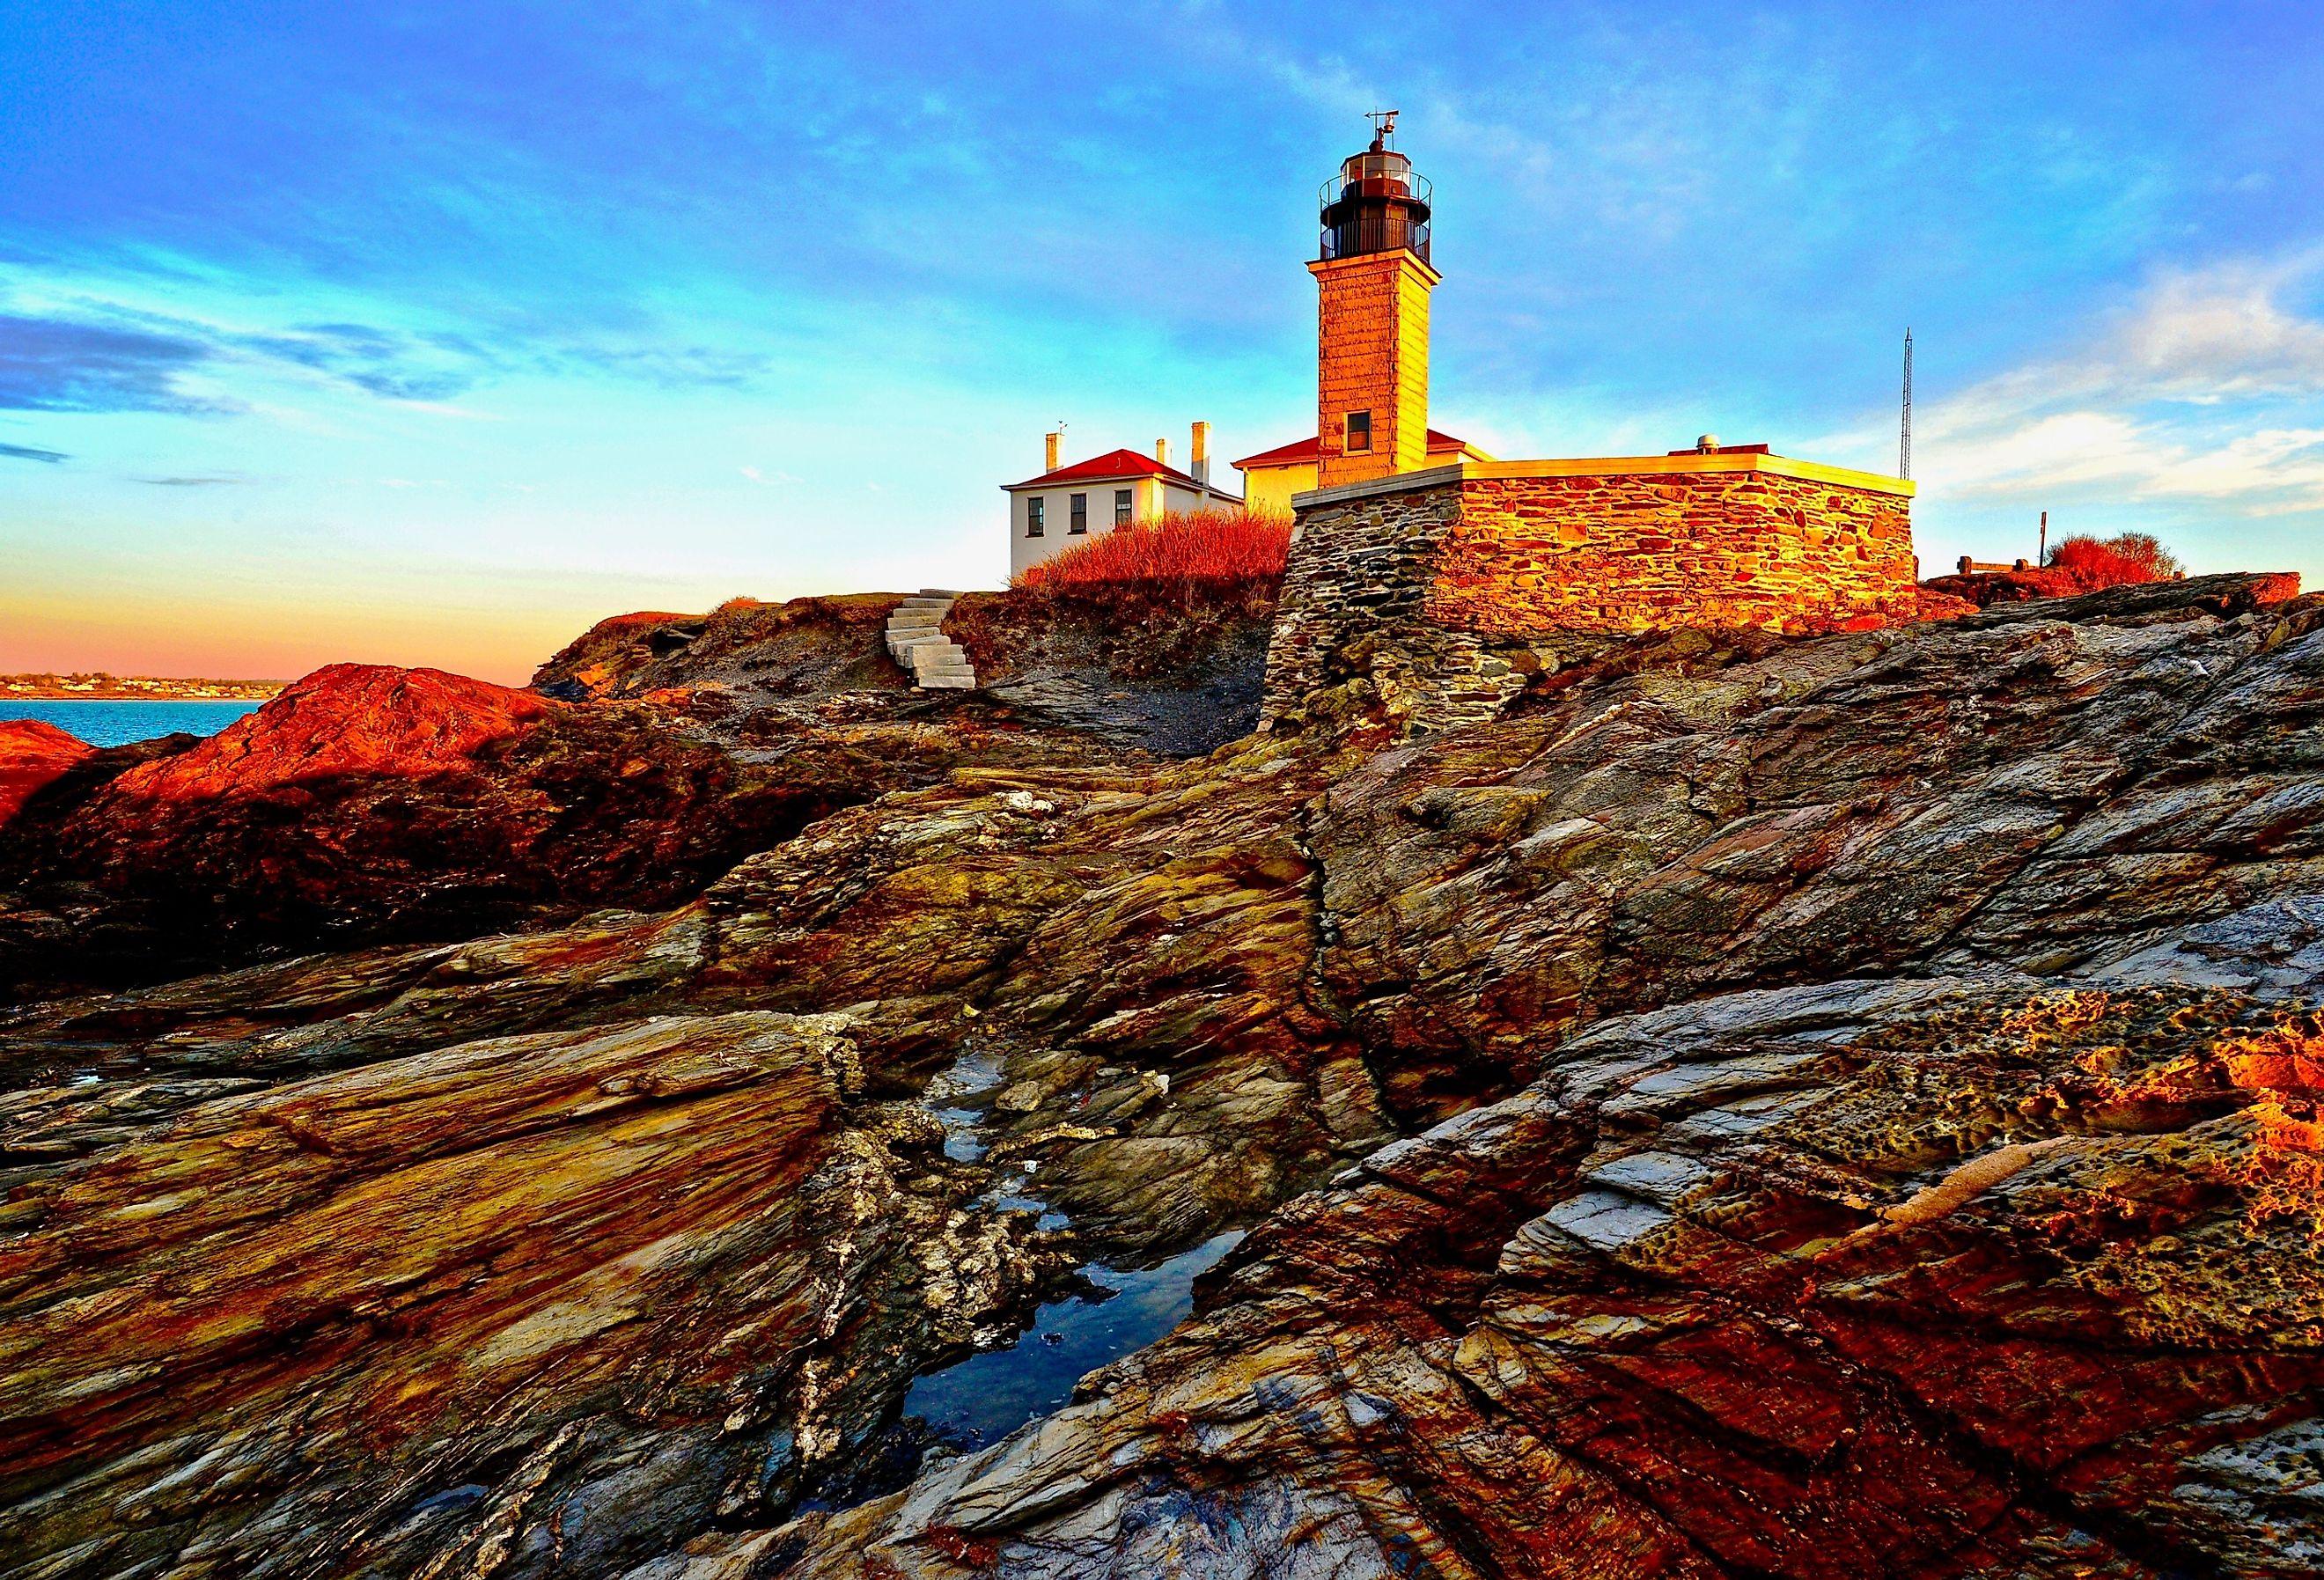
{"x": 1149, "y": 496}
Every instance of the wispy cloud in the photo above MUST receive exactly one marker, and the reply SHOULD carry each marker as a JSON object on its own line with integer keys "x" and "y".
{"x": 446, "y": 409}
{"x": 78, "y": 345}
{"x": 49, "y": 365}
{"x": 2181, "y": 395}
{"x": 190, "y": 481}
{"x": 670, "y": 367}
{"x": 18, "y": 452}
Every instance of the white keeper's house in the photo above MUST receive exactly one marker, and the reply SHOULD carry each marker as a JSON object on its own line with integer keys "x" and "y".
{"x": 1065, "y": 505}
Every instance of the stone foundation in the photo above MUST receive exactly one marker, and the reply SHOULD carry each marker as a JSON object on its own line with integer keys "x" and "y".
{"x": 1447, "y": 588}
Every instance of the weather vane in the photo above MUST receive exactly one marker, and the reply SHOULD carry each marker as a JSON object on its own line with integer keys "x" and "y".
{"x": 1383, "y": 125}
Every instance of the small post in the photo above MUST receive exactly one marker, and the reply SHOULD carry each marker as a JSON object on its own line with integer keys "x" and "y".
{"x": 2042, "y": 557}
{"x": 1904, "y": 433}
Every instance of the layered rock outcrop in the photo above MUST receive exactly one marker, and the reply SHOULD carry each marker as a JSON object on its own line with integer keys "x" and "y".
{"x": 1176, "y": 673}
{"x": 1939, "y": 1278}
{"x": 367, "y": 803}
{"x": 1840, "y": 1105}
{"x": 34, "y": 756}
{"x": 529, "y": 1302}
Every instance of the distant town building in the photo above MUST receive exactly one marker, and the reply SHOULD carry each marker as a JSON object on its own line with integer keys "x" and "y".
{"x": 1065, "y": 505}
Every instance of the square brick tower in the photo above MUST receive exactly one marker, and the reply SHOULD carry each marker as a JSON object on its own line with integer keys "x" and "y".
{"x": 1372, "y": 285}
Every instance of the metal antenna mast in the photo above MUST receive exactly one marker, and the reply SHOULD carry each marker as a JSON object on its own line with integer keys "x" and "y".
{"x": 1905, "y": 438}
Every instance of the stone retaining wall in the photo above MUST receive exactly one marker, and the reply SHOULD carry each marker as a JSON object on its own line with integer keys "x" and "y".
{"x": 1445, "y": 589}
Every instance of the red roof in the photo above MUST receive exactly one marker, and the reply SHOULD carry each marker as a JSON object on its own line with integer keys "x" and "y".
{"x": 1117, "y": 464}
{"x": 1300, "y": 451}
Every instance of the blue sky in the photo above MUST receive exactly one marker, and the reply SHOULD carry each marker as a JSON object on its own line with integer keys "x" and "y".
{"x": 429, "y": 333}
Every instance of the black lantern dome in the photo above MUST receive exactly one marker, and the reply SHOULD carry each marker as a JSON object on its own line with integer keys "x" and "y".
{"x": 1377, "y": 203}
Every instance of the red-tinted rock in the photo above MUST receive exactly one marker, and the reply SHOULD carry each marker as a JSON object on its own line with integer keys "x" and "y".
{"x": 343, "y": 720}
{"x": 371, "y": 802}
{"x": 34, "y": 756}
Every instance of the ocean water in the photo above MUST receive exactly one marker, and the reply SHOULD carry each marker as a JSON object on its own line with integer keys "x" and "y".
{"x": 115, "y": 723}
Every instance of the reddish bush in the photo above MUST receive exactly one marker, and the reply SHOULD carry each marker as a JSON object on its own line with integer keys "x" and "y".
{"x": 1181, "y": 552}
{"x": 2091, "y": 563}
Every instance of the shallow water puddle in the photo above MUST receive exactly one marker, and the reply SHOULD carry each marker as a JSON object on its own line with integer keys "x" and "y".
{"x": 971, "y": 1074}
{"x": 989, "y": 1395}
{"x": 986, "y": 1397}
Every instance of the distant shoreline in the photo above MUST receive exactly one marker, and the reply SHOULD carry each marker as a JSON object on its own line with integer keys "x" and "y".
{"x": 132, "y": 688}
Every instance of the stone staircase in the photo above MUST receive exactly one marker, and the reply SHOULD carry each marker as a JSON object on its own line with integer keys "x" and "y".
{"x": 917, "y": 641}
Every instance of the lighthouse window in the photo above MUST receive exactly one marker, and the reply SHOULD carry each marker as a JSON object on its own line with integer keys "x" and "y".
{"x": 1121, "y": 507}
{"x": 1081, "y": 514}
{"x": 1360, "y": 432}
{"x": 1036, "y": 512}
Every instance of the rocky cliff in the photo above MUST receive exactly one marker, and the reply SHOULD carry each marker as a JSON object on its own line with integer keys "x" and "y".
{"x": 1177, "y": 675}
{"x": 368, "y": 804}
{"x": 1818, "y": 1106}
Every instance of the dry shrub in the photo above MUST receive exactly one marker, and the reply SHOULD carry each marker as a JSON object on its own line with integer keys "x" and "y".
{"x": 1181, "y": 556}
{"x": 1164, "y": 593}
{"x": 2091, "y": 563}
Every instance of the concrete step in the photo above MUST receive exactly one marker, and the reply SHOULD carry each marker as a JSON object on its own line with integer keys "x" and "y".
{"x": 916, "y": 641}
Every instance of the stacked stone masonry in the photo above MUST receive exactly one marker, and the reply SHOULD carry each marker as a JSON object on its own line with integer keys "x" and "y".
{"x": 1447, "y": 591}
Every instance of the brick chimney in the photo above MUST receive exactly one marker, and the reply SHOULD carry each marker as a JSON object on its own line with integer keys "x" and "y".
{"x": 1162, "y": 451}
{"x": 1199, "y": 455}
{"x": 1051, "y": 447}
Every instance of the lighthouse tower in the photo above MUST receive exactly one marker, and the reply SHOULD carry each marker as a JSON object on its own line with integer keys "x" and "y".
{"x": 1373, "y": 280}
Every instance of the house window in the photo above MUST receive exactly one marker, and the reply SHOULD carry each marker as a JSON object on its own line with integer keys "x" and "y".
{"x": 1121, "y": 507}
{"x": 1359, "y": 434}
{"x": 1036, "y": 516}
{"x": 1081, "y": 514}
